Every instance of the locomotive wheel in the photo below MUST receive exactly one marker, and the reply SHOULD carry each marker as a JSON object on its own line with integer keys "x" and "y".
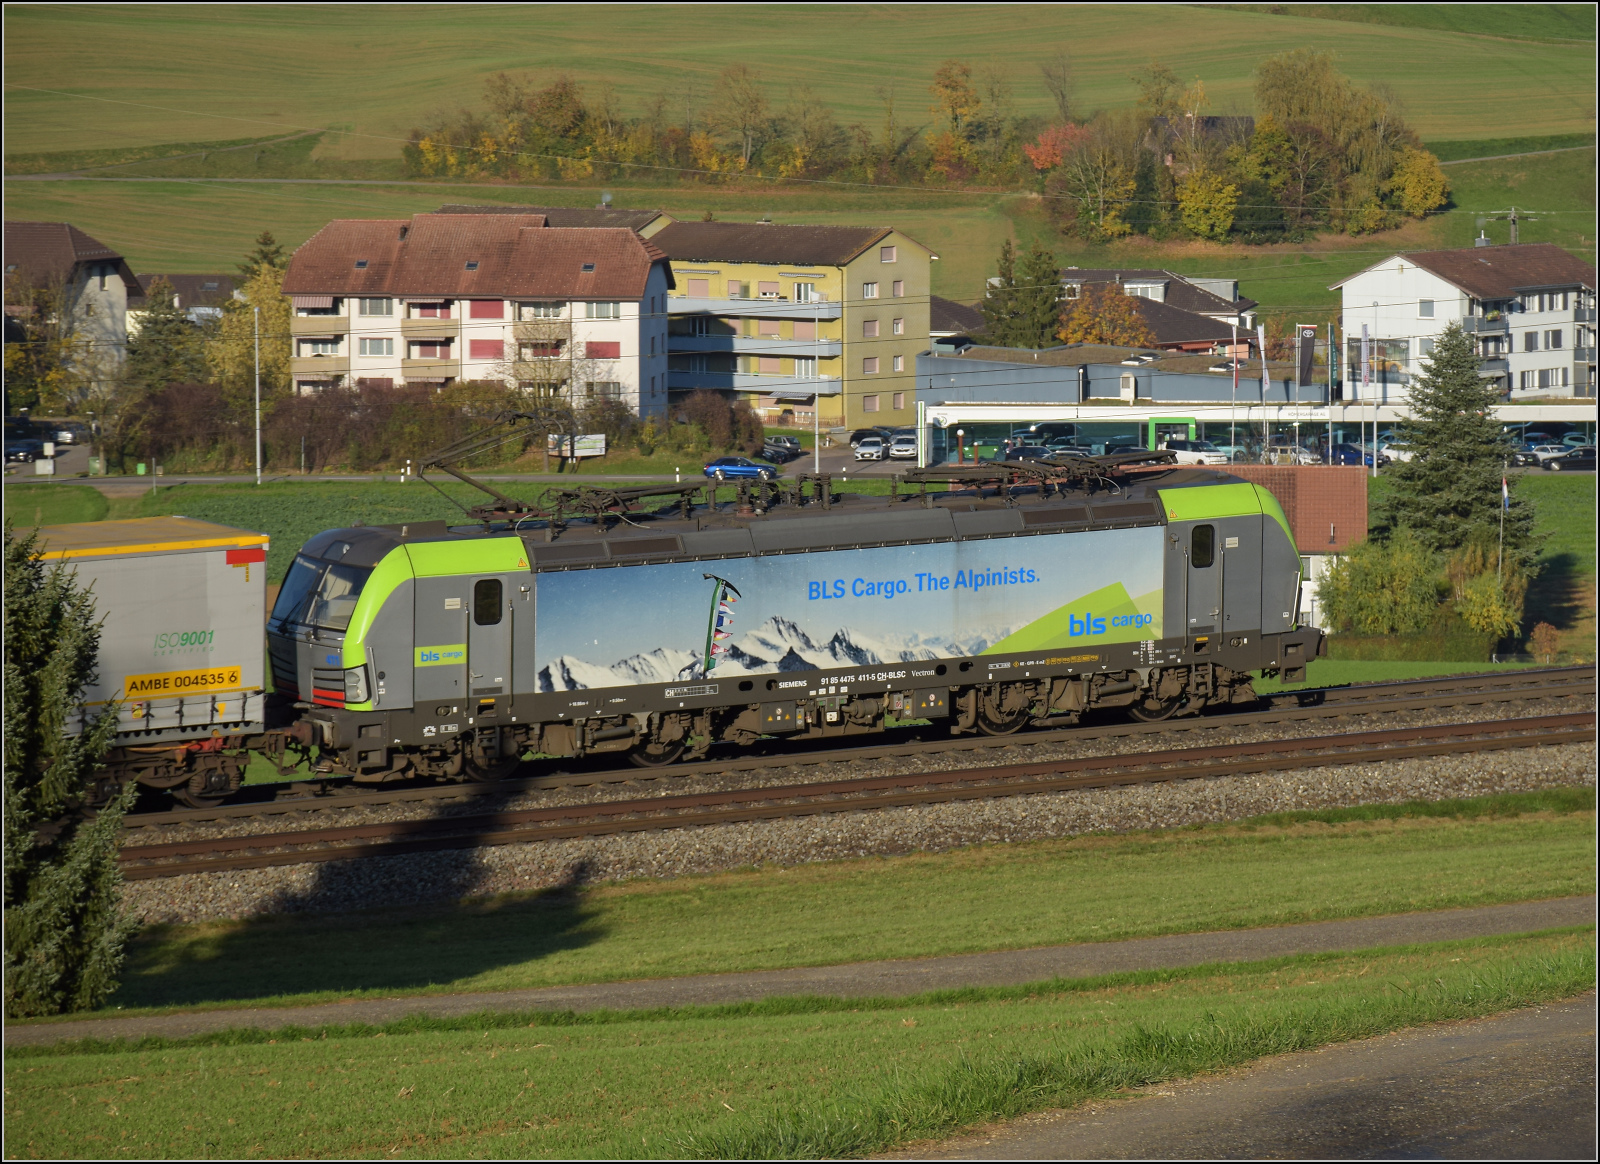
{"x": 992, "y": 725}
{"x": 656, "y": 755}
{"x": 486, "y": 771}
{"x": 1153, "y": 710}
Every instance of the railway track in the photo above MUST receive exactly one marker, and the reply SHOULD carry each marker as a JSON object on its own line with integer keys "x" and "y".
{"x": 397, "y": 838}
{"x": 1281, "y": 707}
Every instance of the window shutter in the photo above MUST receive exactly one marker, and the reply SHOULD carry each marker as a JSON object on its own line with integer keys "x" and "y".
{"x": 603, "y": 349}
{"x": 699, "y": 288}
{"x": 485, "y": 349}
{"x": 487, "y": 309}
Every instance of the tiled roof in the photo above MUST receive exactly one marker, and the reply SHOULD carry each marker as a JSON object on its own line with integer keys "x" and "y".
{"x": 512, "y": 255}
{"x": 1500, "y": 272}
{"x": 754, "y": 242}
{"x": 1180, "y": 292}
{"x": 192, "y": 290}
{"x": 567, "y": 215}
{"x": 1173, "y": 325}
{"x": 947, "y": 317}
{"x": 45, "y": 251}
{"x": 1073, "y": 354}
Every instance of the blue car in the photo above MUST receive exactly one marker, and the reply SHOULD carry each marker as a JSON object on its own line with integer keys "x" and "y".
{"x": 736, "y": 468}
{"x": 1353, "y": 455}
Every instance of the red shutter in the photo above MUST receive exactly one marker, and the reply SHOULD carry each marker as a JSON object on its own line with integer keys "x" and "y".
{"x": 485, "y": 349}
{"x": 487, "y": 308}
{"x": 603, "y": 350}
{"x": 699, "y": 288}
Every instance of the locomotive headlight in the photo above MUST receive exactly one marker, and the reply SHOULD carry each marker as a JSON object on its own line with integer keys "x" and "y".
{"x": 356, "y": 687}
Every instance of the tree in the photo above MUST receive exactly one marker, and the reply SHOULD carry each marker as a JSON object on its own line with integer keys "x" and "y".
{"x": 1037, "y": 310}
{"x": 268, "y": 253}
{"x": 167, "y": 348}
{"x": 1102, "y": 314}
{"x": 231, "y": 347}
{"x": 1206, "y": 202}
{"x": 1448, "y": 493}
{"x": 1160, "y": 91}
{"x": 1144, "y": 205}
{"x": 739, "y": 109}
{"x": 1419, "y": 184}
{"x": 999, "y": 304}
{"x": 1383, "y": 588}
{"x": 45, "y": 366}
{"x": 953, "y": 94}
{"x": 1056, "y": 71}
{"x": 63, "y": 932}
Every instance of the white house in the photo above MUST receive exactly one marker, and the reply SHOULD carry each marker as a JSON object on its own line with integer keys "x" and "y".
{"x": 444, "y": 297}
{"x": 1530, "y": 309}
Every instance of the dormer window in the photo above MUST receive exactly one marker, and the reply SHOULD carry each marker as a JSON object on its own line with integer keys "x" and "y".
{"x": 361, "y": 264}
{"x": 472, "y": 264}
{"x": 588, "y": 268}
{"x": 208, "y": 286}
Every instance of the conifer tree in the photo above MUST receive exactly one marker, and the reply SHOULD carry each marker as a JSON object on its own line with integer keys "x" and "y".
{"x": 63, "y": 931}
{"x": 268, "y": 253}
{"x": 168, "y": 348}
{"x": 999, "y": 305}
{"x": 1448, "y": 493}
{"x": 1038, "y": 299}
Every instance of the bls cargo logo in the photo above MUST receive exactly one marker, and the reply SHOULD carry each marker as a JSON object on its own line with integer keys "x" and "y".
{"x": 439, "y": 656}
{"x": 1091, "y": 624}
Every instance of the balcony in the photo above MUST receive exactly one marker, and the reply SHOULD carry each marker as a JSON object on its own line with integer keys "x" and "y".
{"x": 322, "y": 367}
{"x": 430, "y": 328}
{"x": 752, "y": 308}
{"x": 1494, "y": 366}
{"x": 747, "y": 345}
{"x": 1477, "y": 325}
{"x": 751, "y": 382}
{"x": 430, "y": 369}
{"x": 1583, "y": 315}
{"x": 318, "y": 324}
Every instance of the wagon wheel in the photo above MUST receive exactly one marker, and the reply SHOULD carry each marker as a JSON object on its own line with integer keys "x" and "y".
{"x": 208, "y": 787}
{"x": 1151, "y": 709}
{"x": 654, "y": 754}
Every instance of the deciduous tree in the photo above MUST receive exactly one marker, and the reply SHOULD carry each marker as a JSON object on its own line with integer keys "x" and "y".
{"x": 740, "y": 110}
{"x": 1206, "y": 201}
{"x": 954, "y": 98}
{"x": 1056, "y": 72}
{"x": 1102, "y": 314}
{"x": 1419, "y": 183}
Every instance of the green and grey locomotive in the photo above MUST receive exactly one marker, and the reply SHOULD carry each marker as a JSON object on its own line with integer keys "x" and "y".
{"x": 451, "y": 652}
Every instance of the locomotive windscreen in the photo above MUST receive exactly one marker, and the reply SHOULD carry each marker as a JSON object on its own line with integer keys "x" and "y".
{"x": 320, "y": 594}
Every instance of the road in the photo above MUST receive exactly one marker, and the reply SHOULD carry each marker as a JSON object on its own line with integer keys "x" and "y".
{"x": 1517, "y": 1086}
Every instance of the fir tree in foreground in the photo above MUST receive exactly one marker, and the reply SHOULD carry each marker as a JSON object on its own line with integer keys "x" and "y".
{"x": 1448, "y": 494}
{"x": 63, "y": 931}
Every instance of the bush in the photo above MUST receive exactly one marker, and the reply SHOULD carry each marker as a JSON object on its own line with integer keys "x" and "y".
{"x": 1383, "y": 588}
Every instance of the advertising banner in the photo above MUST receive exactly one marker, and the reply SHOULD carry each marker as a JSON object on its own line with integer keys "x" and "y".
{"x": 626, "y": 625}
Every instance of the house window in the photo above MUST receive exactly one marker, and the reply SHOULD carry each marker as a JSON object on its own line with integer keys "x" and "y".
{"x": 805, "y": 292}
{"x": 898, "y": 327}
{"x": 768, "y": 365}
{"x": 869, "y": 328}
{"x": 899, "y": 365}
{"x": 767, "y": 328}
{"x": 377, "y": 347}
{"x": 1424, "y": 347}
{"x": 869, "y": 290}
{"x": 805, "y": 368}
{"x": 869, "y": 365}
{"x": 1552, "y": 340}
{"x": 898, "y": 287}
{"x": 486, "y": 309}
{"x": 699, "y": 325}
{"x": 376, "y": 306}
{"x": 767, "y": 290}
{"x": 319, "y": 347}
{"x": 486, "y": 349}
{"x": 699, "y": 289}
{"x": 431, "y": 350}
{"x": 869, "y": 404}
{"x": 608, "y": 388}
{"x": 738, "y": 289}
{"x": 1425, "y": 308}
{"x": 1525, "y": 380}
{"x": 699, "y": 364}
{"x": 603, "y": 310}
{"x": 548, "y": 350}
{"x": 805, "y": 329}
{"x": 431, "y": 310}
{"x": 361, "y": 264}
{"x": 899, "y": 401}
{"x": 652, "y": 345}
{"x": 886, "y": 254}
{"x": 1072, "y": 290}
{"x": 603, "y": 350}
{"x": 1530, "y": 341}
{"x": 1544, "y": 377}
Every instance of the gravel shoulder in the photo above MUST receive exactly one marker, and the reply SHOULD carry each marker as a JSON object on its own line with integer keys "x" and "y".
{"x": 866, "y": 979}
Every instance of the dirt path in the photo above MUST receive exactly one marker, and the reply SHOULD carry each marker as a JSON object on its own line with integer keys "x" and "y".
{"x": 864, "y": 979}
{"x": 1516, "y": 1086}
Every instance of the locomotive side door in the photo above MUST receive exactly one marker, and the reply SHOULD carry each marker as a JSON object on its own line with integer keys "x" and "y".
{"x": 1204, "y": 578}
{"x": 440, "y": 647}
{"x": 489, "y": 639}
{"x": 1239, "y": 556}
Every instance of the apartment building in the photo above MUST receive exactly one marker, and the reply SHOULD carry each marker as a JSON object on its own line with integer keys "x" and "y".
{"x": 92, "y": 280}
{"x": 440, "y": 298}
{"x": 799, "y": 320}
{"x": 1530, "y": 309}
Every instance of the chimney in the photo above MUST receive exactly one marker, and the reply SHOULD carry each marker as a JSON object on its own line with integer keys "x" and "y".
{"x": 1482, "y": 240}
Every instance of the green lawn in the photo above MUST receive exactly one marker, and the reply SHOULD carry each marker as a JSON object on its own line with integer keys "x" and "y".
{"x": 806, "y": 1080}
{"x": 31, "y": 505}
{"x": 1336, "y": 672}
{"x": 981, "y": 898}
{"x": 1449, "y": 151}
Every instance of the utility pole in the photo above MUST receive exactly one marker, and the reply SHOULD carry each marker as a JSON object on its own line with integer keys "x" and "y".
{"x": 1513, "y": 219}
{"x": 258, "y": 394}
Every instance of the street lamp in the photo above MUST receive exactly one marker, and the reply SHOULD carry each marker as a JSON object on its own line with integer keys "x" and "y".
{"x": 961, "y": 449}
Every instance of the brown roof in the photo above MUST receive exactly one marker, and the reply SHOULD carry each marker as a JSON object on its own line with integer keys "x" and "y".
{"x": 568, "y": 215}
{"x": 1180, "y": 292}
{"x": 1173, "y": 325}
{"x": 46, "y": 251}
{"x": 947, "y": 317}
{"x": 513, "y": 255}
{"x": 755, "y": 242}
{"x": 1501, "y": 272}
{"x": 1073, "y": 354}
{"x": 192, "y": 290}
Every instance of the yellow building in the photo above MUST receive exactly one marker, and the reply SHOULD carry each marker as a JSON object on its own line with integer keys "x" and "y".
{"x": 798, "y": 318}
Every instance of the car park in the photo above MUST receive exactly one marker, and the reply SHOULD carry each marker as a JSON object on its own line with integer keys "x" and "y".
{"x": 871, "y": 448}
{"x": 903, "y": 446}
{"x": 1578, "y": 460}
{"x": 739, "y": 468}
{"x": 861, "y": 434}
{"x": 1196, "y": 452}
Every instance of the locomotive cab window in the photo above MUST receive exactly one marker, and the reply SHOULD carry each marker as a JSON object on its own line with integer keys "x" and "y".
{"x": 1203, "y": 546}
{"x": 336, "y": 597}
{"x": 486, "y": 594}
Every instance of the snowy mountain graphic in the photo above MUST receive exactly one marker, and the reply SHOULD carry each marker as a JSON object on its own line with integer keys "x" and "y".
{"x": 776, "y": 645}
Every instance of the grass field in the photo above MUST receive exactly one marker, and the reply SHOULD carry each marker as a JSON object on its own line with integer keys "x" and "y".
{"x": 1340, "y": 863}
{"x": 804, "y": 1079}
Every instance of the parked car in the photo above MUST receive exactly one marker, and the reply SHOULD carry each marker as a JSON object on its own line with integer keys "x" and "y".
{"x": 1292, "y": 455}
{"x": 736, "y": 468}
{"x": 781, "y": 448}
{"x": 872, "y": 448}
{"x": 68, "y": 433}
{"x": 1392, "y": 452}
{"x": 1524, "y": 457}
{"x": 1578, "y": 440}
{"x": 1233, "y": 453}
{"x": 1578, "y": 460}
{"x": 1196, "y": 452}
{"x": 1546, "y": 451}
{"x": 23, "y": 449}
{"x": 1028, "y": 453}
{"x": 903, "y": 446}
{"x": 862, "y": 434}
{"x": 1349, "y": 454}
